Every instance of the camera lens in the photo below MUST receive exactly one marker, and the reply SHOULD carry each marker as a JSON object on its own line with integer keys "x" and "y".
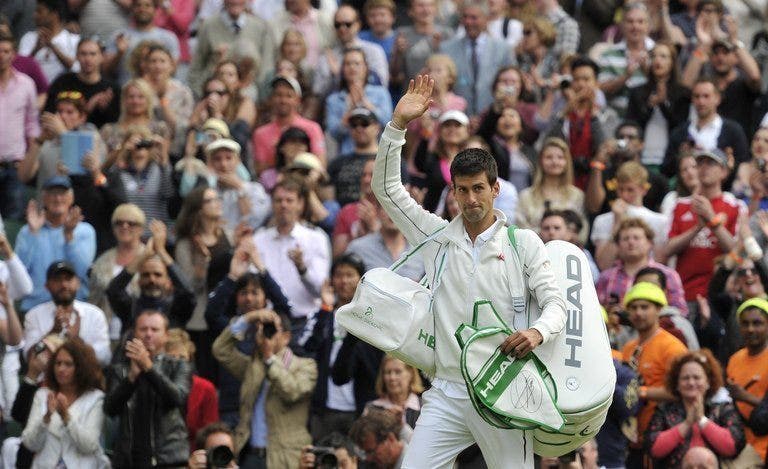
{"x": 220, "y": 456}
{"x": 327, "y": 461}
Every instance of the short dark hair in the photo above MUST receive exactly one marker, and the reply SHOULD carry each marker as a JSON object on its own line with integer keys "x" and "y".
{"x": 55, "y": 6}
{"x": 473, "y": 161}
{"x": 212, "y": 428}
{"x": 8, "y": 37}
{"x": 584, "y": 61}
{"x": 709, "y": 81}
{"x": 653, "y": 271}
{"x": 350, "y": 259}
{"x": 248, "y": 278}
{"x": 88, "y": 374}
{"x": 629, "y": 123}
{"x": 336, "y": 440}
{"x": 291, "y": 184}
{"x": 376, "y": 422}
{"x": 572, "y": 219}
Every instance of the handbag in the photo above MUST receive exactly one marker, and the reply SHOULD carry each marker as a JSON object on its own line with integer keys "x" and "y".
{"x": 394, "y": 313}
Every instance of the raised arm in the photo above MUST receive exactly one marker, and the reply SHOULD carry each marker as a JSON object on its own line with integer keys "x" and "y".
{"x": 415, "y": 222}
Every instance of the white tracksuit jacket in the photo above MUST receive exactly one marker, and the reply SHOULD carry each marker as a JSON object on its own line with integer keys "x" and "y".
{"x": 493, "y": 276}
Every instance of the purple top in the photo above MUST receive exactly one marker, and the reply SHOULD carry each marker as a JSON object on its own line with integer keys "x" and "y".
{"x": 29, "y": 66}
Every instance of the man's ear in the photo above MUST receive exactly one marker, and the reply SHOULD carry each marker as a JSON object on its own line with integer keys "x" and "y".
{"x": 496, "y": 188}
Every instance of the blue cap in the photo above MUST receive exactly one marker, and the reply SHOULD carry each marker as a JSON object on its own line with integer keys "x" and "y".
{"x": 58, "y": 181}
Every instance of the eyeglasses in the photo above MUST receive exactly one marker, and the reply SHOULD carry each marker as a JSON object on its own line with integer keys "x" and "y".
{"x": 130, "y": 223}
{"x": 75, "y": 95}
{"x": 744, "y": 271}
{"x": 345, "y": 24}
{"x": 218, "y": 92}
{"x": 356, "y": 124}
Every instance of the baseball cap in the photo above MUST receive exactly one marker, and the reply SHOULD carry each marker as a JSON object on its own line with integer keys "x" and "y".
{"x": 714, "y": 154}
{"x": 758, "y": 303}
{"x": 724, "y": 43}
{"x": 225, "y": 143}
{"x": 306, "y": 160}
{"x": 58, "y": 181}
{"x": 362, "y": 113}
{"x": 289, "y": 80}
{"x": 59, "y": 267}
{"x": 218, "y": 126}
{"x": 454, "y": 115}
{"x": 645, "y": 291}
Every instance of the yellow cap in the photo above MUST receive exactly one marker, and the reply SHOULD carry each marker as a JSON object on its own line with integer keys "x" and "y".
{"x": 645, "y": 291}
{"x": 758, "y": 303}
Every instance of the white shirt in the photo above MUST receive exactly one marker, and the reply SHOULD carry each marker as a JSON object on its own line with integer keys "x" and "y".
{"x": 303, "y": 292}
{"x": 38, "y": 322}
{"x": 52, "y": 67}
{"x": 602, "y": 228}
{"x": 706, "y": 137}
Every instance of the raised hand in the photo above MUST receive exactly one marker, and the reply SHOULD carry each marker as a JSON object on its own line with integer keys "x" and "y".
{"x": 74, "y": 216}
{"x": 326, "y": 294}
{"x": 5, "y": 247}
{"x": 414, "y": 102}
{"x": 238, "y": 266}
{"x": 159, "y": 235}
{"x": 35, "y": 216}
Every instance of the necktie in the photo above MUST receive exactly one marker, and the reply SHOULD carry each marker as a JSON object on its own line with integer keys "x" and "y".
{"x": 475, "y": 68}
{"x": 236, "y": 27}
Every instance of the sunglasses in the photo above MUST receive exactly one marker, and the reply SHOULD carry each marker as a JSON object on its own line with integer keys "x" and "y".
{"x": 218, "y": 92}
{"x": 744, "y": 271}
{"x": 356, "y": 124}
{"x": 345, "y": 24}
{"x": 130, "y": 223}
{"x": 74, "y": 95}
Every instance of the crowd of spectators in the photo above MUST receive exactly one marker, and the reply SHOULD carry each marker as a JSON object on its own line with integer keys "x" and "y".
{"x": 185, "y": 201}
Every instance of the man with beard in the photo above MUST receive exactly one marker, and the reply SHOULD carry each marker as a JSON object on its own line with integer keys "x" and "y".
{"x": 65, "y": 315}
{"x": 163, "y": 287}
{"x": 143, "y": 29}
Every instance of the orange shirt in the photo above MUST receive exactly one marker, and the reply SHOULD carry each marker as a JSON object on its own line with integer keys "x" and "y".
{"x": 744, "y": 368}
{"x": 655, "y": 358}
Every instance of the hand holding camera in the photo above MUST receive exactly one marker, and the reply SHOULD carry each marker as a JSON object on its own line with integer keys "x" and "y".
{"x": 217, "y": 457}
{"x": 318, "y": 457}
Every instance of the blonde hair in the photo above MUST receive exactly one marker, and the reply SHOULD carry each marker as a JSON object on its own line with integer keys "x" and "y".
{"x": 179, "y": 338}
{"x": 297, "y": 35}
{"x": 632, "y": 171}
{"x": 371, "y": 4}
{"x": 444, "y": 59}
{"x": 145, "y": 89}
{"x": 566, "y": 179}
{"x": 131, "y": 212}
{"x": 416, "y": 386}
{"x": 544, "y": 29}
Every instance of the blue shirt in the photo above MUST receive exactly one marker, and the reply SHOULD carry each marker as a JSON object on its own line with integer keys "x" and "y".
{"x": 336, "y": 106}
{"x": 38, "y": 251}
{"x": 387, "y": 43}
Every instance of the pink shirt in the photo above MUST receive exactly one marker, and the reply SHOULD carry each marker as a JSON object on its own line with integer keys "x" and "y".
{"x": 265, "y": 140}
{"x": 178, "y": 22}
{"x": 309, "y": 27}
{"x": 19, "y": 116}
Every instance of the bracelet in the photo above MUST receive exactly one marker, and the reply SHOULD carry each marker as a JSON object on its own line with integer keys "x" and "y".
{"x": 716, "y": 221}
{"x": 598, "y": 165}
{"x": 735, "y": 257}
{"x": 700, "y": 54}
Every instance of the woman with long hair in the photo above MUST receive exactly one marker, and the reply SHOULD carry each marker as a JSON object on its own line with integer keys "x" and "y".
{"x": 174, "y": 98}
{"x": 235, "y": 76}
{"x": 216, "y": 103}
{"x": 200, "y": 238}
{"x": 137, "y": 105}
{"x": 687, "y": 183}
{"x": 536, "y": 53}
{"x": 67, "y": 416}
{"x": 660, "y": 104}
{"x": 354, "y": 92}
{"x": 515, "y": 160}
{"x": 399, "y": 388}
{"x": 552, "y": 187}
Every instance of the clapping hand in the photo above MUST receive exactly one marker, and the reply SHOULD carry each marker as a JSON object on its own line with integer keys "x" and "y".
{"x": 74, "y": 216}
{"x": 35, "y": 216}
{"x": 296, "y": 255}
{"x": 414, "y": 102}
{"x": 140, "y": 357}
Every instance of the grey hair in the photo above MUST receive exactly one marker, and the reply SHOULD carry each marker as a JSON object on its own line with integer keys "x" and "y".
{"x": 636, "y": 6}
{"x": 481, "y": 4}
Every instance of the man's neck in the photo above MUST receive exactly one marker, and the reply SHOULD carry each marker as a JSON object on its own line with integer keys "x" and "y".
{"x": 757, "y": 350}
{"x": 645, "y": 336}
{"x": 638, "y": 45}
{"x": 725, "y": 79}
{"x": 633, "y": 266}
{"x": 285, "y": 228}
{"x": 394, "y": 241}
{"x": 369, "y": 149}
{"x": 474, "y": 229}
{"x": 143, "y": 27}
{"x": 712, "y": 192}
{"x": 90, "y": 77}
{"x": 705, "y": 120}
{"x": 5, "y": 75}
{"x": 286, "y": 120}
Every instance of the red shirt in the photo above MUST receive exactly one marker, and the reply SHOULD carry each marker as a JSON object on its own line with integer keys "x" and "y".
{"x": 265, "y": 140}
{"x": 696, "y": 263}
{"x": 202, "y": 407}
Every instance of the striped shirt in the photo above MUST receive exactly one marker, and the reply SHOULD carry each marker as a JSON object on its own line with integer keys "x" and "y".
{"x": 613, "y": 64}
{"x": 150, "y": 189}
{"x": 19, "y": 115}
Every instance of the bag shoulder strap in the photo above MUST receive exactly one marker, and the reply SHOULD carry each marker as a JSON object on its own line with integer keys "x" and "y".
{"x": 405, "y": 257}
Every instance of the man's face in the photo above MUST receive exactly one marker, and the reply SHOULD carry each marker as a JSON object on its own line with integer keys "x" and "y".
{"x": 57, "y": 200}
{"x": 249, "y": 298}
{"x": 153, "y": 279}
{"x": 634, "y": 139}
{"x": 475, "y": 195}
{"x": 753, "y": 324}
{"x": 554, "y": 227}
{"x": 383, "y": 454}
{"x": 583, "y": 78}
{"x": 423, "y": 11}
{"x": 344, "y": 281}
{"x": 346, "y": 24}
{"x": 152, "y": 330}
{"x": 705, "y": 99}
{"x": 635, "y": 25}
{"x": 63, "y": 288}
{"x": 365, "y": 179}
{"x": 234, "y": 7}
{"x": 287, "y": 206}
{"x": 474, "y": 21}
{"x": 723, "y": 60}
{"x": 631, "y": 192}
{"x": 633, "y": 244}
{"x": 42, "y": 16}
{"x": 380, "y": 20}
{"x": 284, "y": 100}
{"x": 7, "y": 54}
{"x": 224, "y": 161}
{"x": 143, "y": 12}
{"x": 643, "y": 315}
{"x": 90, "y": 57}
{"x": 71, "y": 116}
{"x": 297, "y": 7}
{"x": 710, "y": 171}
{"x": 363, "y": 131}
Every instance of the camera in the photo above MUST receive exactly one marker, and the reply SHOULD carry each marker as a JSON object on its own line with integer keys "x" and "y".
{"x": 621, "y": 144}
{"x": 565, "y": 82}
{"x": 325, "y": 457}
{"x": 145, "y": 143}
{"x": 509, "y": 90}
{"x": 760, "y": 163}
{"x": 269, "y": 329}
{"x": 219, "y": 456}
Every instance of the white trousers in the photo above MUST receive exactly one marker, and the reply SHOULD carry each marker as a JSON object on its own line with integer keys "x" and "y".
{"x": 447, "y": 425}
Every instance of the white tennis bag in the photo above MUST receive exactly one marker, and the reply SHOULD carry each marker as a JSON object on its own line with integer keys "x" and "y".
{"x": 394, "y": 313}
{"x": 579, "y": 358}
